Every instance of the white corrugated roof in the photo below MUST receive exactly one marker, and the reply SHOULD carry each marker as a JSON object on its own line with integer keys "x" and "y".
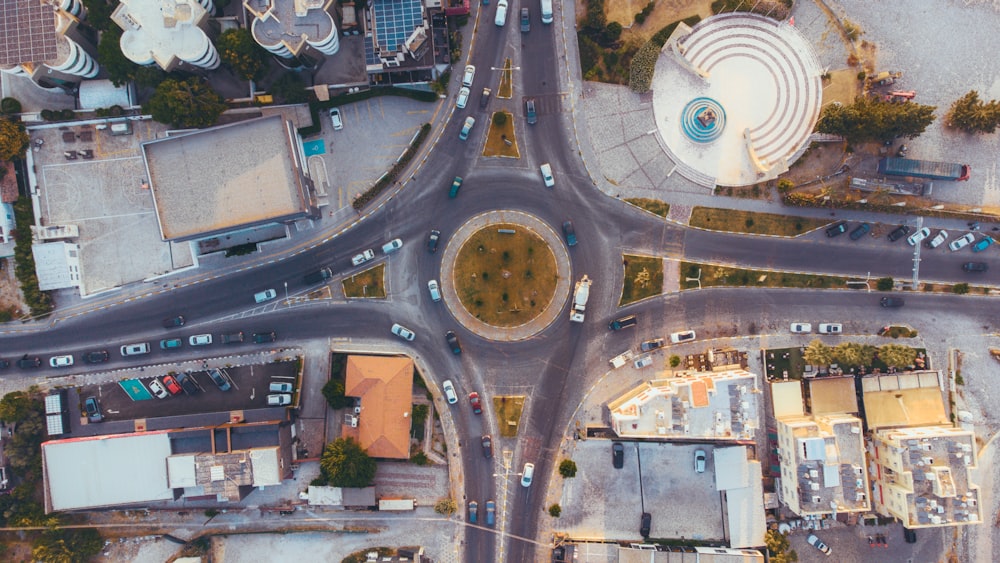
{"x": 730, "y": 468}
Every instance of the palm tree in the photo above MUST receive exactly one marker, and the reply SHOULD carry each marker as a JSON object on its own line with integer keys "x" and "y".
{"x": 818, "y": 354}
{"x": 896, "y": 355}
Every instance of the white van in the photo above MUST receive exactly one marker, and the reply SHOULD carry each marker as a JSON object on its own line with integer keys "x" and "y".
{"x": 501, "y": 17}
{"x": 546, "y": 11}
{"x": 135, "y": 349}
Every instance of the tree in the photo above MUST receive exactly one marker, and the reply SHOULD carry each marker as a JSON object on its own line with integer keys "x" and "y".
{"x": 99, "y": 14}
{"x": 13, "y": 140}
{"x": 10, "y": 106}
{"x": 15, "y": 406}
{"x": 67, "y": 546}
{"x": 567, "y": 468}
{"x": 290, "y": 89}
{"x": 884, "y": 284}
{"x": 640, "y": 71}
{"x": 873, "y": 119}
{"x": 818, "y": 354}
{"x": 675, "y": 361}
{"x": 896, "y": 355}
{"x": 555, "y": 510}
{"x": 185, "y": 103}
{"x": 446, "y": 506}
{"x": 778, "y": 547}
{"x": 847, "y": 353}
{"x": 334, "y": 393}
{"x": 972, "y": 115}
{"x": 345, "y": 464}
{"x": 238, "y": 49}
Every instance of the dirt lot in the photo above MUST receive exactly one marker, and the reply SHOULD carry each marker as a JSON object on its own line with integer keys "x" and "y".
{"x": 10, "y": 291}
{"x": 665, "y": 12}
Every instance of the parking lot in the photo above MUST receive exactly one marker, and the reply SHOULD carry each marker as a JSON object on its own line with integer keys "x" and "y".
{"x": 659, "y": 478}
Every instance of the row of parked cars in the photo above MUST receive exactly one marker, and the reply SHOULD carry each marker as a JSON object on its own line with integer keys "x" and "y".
{"x": 921, "y": 235}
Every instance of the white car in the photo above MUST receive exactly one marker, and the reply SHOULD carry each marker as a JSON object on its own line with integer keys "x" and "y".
{"x": 469, "y": 76}
{"x": 470, "y": 122}
{"x": 200, "y": 340}
{"x": 279, "y": 387}
{"x": 643, "y": 362}
{"x": 961, "y": 242}
{"x": 279, "y": 400}
{"x": 365, "y": 256}
{"x": 801, "y": 328}
{"x": 938, "y": 239}
{"x": 266, "y": 295}
{"x": 403, "y": 332}
{"x": 501, "y": 17}
{"x": 547, "y": 175}
{"x": 157, "y": 389}
{"x": 683, "y": 336}
{"x": 699, "y": 461}
{"x": 392, "y": 246}
{"x": 918, "y": 236}
{"x": 432, "y": 287}
{"x": 61, "y": 361}
{"x": 527, "y": 474}
{"x": 338, "y": 123}
{"x": 831, "y": 328}
{"x": 818, "y": 544}
{"x": 449, "y": 392}
{"x": 463, "y": 98}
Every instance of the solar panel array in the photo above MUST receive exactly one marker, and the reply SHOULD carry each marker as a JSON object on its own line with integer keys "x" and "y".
{"x": 27, "y": 32}
{"x": 394, "y": 22}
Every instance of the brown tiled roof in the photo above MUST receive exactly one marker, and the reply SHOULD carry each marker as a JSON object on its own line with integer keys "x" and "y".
{"x": 385, "y": 387}
{"x": 8, "y": 184}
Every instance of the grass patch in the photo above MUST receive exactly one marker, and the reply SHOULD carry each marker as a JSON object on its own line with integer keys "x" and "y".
{"x": 643, "y": 278}
{"x": 508, "y": 409}
{"x": 714, "y": 276}
{"x": 505, "y": 279}
{"x": 654, "y": 206}
{"x": 506, "y": 88}
{"x": 369, "y": 283}
{"x": 734, "y": 221}
{"x": 499, "y": 135}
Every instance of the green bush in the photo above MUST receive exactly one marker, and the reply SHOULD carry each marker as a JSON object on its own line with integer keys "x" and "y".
{"x": 10, "y": 106}
{"x": 675, "y": 361}
{"x": 37, "y": 300}
{"x": 643, "y": 65}
{"x": 884, "y": 284}
{"x": 499, "y": 118}
{"x": 960, "y": 288}
{"x": 567, "y": 468}
{"x": 420, "y": 458}
{"x": 555, "y": 510}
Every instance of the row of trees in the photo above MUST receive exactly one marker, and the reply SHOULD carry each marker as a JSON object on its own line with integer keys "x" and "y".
{"x": 871, "y": 118}
{"x": 855, "y": 354}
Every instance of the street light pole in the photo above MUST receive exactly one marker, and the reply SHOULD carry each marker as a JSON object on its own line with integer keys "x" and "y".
{"x": 286, "y": 295}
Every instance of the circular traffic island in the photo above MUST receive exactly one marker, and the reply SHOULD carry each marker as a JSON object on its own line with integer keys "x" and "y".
{"x": 506, "y": 275}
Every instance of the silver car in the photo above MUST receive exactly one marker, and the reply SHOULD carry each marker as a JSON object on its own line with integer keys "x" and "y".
{"x": 403, "y": 332}
{"x": 435, "y": 291}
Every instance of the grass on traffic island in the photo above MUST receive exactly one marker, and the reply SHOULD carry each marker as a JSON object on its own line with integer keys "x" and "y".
{"x": 505, "y": 275}
{"x": 508, "y": 409}
{"x": 654, "y": 206}
{"x": 506, "y": 89}
{"x": 369, "y": 283}
{"x": 500, "y": 140}
{"x": 722, "y": 276}
{"x": 735, "y": 221}
{"x": 643, "y": 278}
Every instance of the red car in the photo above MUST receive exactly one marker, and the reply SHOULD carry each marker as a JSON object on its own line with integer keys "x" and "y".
{"x": 171, "y": 384}
{"x": 477, "y": 406}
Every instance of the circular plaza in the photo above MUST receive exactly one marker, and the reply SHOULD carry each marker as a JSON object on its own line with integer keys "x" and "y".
{"x": 736, "y": 98}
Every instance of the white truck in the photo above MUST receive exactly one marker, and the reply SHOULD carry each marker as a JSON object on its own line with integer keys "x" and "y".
{"x": 580, "y": 296}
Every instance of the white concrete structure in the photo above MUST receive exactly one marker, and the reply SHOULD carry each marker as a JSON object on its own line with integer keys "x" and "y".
{"x": 167, "y": 32}
{"x": 286, "y": 27}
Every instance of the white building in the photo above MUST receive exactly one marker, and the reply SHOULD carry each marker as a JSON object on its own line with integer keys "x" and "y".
{"x": 168, "y": 33}
{"x": 287, "y": 27}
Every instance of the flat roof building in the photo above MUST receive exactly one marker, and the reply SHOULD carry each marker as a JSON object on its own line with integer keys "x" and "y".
{"x": 168, "y": 33}
{"x": 214, "y": 181}
{"x": 287, "y": 27}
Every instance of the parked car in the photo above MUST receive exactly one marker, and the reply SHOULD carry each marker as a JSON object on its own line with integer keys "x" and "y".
{"x": 487, "y": 446}
{"x": 434, "y": 290}
{"x": 135, "y": 349}
{"x": 432, "y": 240}
{"x": 961, "y": 242}
{"x": 918, "y": 236}
{"x": 645, "y": 524}
{"x": 617, "y": 455}
{"x": 491, "y": 513}
{"x": 684, "y": 336}
{"x": 815, "y": 542}
{"x": 831, "y": 328}
{"x": 170, "y": 382}
{"x": 4, "y": 364}
{"x": 93, "y": 409}
{"x": 264, "y": 337}
{"x": 453, "y": 343}
{"x": 801, "y": 328}
{"x": 547, "y": 175}
{"x": 280, "y": 400}
{"x": 473, "y": 511}
{"x": 463, "y": 98}
{"x": 525, "y": 20}
{"x": 652, "y": 344}
{"x": 501, "y": 15}
{"x": 477, "y": 405}
{"x": 470, "y": 122}
{"x": 335, "y": 119}
{"x": 623, "y": 322}
{"x": 569, "y": 233}
{"x": 187, "y": 383}
{"x": 61, "y": 361}
{"x": 449, "y": 392}
{"x": 157, "y": 389}
{"x": 403, "y": 332}
{"x": 642, "y": 362}
{"x": 392, "y": 246}
{"x": 279, "y": 387}
{"x": 173, "y": 322}
{"x": 263, "y": 296}
{"x": 699, "y": 461}
{"x": 96, "y": 357}
{"x": 529, "y": 110}
{"x": 860, "y": 231}
{"x": 363, "y": 257}
{"x": 527, "y": 474}
{"x": 469, "y": 75}
{"x": 836, "y": 229}
{"x": 938, "y": 239}
{"x": 220, "y": 380}
{"x": 892, "y": 302}
{"x": 26, "y": 362}
{"x": 975, "y": 267}
{"x": 233, "y": 338}
{"x": 456, "y": 185}
{"x": 171, "y": 344}
{"x": 982, "y": 245}
{"x": 200, "y": 340}
{"x": 898, "y": 233}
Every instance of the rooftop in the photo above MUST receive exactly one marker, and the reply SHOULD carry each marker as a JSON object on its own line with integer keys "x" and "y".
{"x": 27, "y": 32}
{"x": 161, "y": 31}
{"x": 832, "y": 395}
{"x": 904, "y": 399}
{"x": 384, "y": 386}
{"x": 292, "y": 22}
